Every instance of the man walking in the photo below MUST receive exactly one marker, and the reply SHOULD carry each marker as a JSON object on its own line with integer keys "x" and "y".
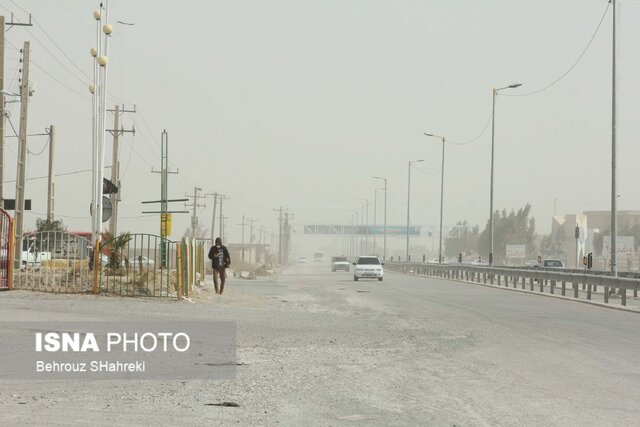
{"x": 220, "y": 259}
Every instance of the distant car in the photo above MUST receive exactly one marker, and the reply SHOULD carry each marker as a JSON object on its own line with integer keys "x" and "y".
{"x": 435, "y": 261}
{"x": 302, "y": 260}
{"x": 552, "y": 263}
{"x": 531, "y": 263}
{"x": 479, "y": 261}
{"x": 340, "y": 263}
{"x": 368, "y": 267}
{"x": 318, "y": 256}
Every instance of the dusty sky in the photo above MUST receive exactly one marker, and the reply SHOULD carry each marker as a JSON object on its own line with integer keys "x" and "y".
{"x": 299, "y": 103}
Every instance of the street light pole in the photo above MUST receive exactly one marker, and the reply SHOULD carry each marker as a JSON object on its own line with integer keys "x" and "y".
{"x": 409, "y": 204}
{"x": 384, "y": 250}
{"x": 614, "y": 211}
{"x": 366, "y": 225}
{"x": 375, "y": 217}
{"x": 493, "y": 120}
{"x": 441, "y": 193}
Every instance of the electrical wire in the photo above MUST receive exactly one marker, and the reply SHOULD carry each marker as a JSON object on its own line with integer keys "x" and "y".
{"x": 562, "y": 76}
{"x": 41, "y": 151}
{"x": 52, "y": 77}
{"x": 475, "y": 138}
{"x": 60, "y": 82}
{"x": 20, "y": 7}
{"x": 129, "y": 158}
{"x": 428, "y": 173}
{"x": 84, "y": 82}
{"x": 61, "y": 50}
{"x": 57, "y": 175}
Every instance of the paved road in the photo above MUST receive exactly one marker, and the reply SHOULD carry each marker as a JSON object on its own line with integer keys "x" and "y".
{"x": 319, "y": 349}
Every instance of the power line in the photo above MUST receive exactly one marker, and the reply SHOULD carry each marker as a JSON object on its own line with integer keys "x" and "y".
{"x": 41, "y": 151}
{"x": 60, "y": 49}
{"x": 130, "y": 152}
{"x": 60, "y": 82}
{"x": 54, "y": 78}
{"x": 19, "y": 7}
{"x": 584, "y": 51}
{"x": 474, "y": 139}
{"x": 58, "y": 174}
{"x": 55, "y": 57}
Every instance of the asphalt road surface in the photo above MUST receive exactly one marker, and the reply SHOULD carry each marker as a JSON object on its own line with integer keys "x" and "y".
{"x": 317, "y": 348}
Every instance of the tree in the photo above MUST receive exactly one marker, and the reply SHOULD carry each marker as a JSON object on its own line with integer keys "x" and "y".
{"x": 515, "y": 228}
{"x": 116, "y": 247}
{"x": 201, "y": 232}
{"x": 50, "y": 225}
{"x": 461, "y": 239}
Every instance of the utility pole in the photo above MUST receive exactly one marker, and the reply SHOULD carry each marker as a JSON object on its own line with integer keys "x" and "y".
{"x": 242, "y": 244}
{"x": 280, "y": 210}
{"x": 251, "y": 238}
{"x": 195, "y": 205}
{"x": 222, "y": 199}
{"x": 262, "y": 244}
{"x": 287, "y": 236}
{"x": 165, "y": 218}
{"x": 22, "y": 153}
{"x": 2, "y": 112}
{"x": 223, "y": 230}
{"x": 115, "y": 164}
{"x": 51, "y": 185}
{"x": 213, "y": 217}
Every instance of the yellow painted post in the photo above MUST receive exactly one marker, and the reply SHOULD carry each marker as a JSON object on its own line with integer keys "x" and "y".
{"x": 179, "y": 272}
{"x": 96, "y": 265}
{"x": 189, "y": 266}
{"x": 10, "y": 255}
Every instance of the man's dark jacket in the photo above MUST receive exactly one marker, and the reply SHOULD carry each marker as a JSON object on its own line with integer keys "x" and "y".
{"x": 219, "y": 257}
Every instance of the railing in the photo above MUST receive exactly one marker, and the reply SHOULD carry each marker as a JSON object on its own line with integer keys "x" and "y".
{"x": 54, "y": 261}
{"x": 138, "y": 265}
{"x": 534, "y": 279}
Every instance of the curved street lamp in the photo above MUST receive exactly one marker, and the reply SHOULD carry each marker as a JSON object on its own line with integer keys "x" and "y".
{"x": 493, "y": 120}
{"x": 384, "y": 250}
{"x": 409, "y": 203}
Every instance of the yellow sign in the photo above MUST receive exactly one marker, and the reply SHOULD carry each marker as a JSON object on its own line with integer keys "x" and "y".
{"x": 165, "y": 225}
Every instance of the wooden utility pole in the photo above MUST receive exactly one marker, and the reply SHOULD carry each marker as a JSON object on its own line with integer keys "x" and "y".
{"x": 22, "y": 153}
{"x": 51, "y": 184}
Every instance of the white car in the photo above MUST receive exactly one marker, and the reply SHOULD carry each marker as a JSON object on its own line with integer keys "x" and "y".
{"x": 302, "y": 260}
{"x": 368, "y": 267}
{"x": 340, "y": 263}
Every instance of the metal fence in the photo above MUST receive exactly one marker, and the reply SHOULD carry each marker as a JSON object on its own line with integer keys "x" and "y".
{"x": 54, "y": 261}
{"x": 138, "y": 265}
{"x": 532, "y": 279}
{"x": 6, "y": 250}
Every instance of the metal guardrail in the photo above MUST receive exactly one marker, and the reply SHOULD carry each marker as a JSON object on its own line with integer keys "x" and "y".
{"x": 533, "y": 278}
